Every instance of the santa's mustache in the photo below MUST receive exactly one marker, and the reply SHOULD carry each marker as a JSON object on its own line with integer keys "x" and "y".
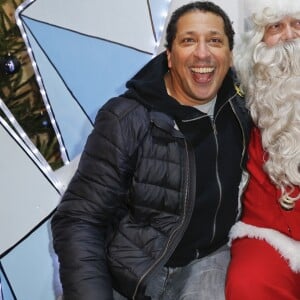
{"x": 281, "y": 60}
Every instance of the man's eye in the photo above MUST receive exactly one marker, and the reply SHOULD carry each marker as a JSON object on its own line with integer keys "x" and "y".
{"x": 274, "y": 27}
{"x": 216, "y": 40}
{"x": 188, "y": 40}
{"x": 297, "y": 23}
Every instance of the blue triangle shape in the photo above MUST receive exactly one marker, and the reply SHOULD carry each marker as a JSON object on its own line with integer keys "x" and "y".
{"x": 74, "y": 125}
{"x": 5, "y": 291}
{"x": 93, "y": 69}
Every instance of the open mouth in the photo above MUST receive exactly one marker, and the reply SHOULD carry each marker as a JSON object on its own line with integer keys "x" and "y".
{"x": 202, "y": 74}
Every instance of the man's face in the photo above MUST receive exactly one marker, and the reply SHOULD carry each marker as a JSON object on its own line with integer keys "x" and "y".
{"x": 286, "y": 29}
{"x": 200, "y": 57}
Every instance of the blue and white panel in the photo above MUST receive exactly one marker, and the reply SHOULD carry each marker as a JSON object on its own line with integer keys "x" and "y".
{"x": 85, "y": 53}
{"x": 82, "y": 52}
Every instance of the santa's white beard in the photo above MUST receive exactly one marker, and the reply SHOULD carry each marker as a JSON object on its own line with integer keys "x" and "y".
{"x": 273, "y": 97}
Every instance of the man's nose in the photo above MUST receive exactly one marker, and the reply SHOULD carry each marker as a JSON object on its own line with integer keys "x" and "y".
{"x": 202, "y": 50}
{"x": 290, "y": 33}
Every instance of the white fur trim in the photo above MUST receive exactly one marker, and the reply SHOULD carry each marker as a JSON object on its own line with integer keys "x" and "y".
{"x": 288, "y": 248}
{"x": 279, "y": 7}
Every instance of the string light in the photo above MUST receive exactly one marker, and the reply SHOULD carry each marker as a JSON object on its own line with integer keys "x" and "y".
{"x": 164, "y": 15}
{"x": 27, "y": 145}
{"x": 44, "y": 95}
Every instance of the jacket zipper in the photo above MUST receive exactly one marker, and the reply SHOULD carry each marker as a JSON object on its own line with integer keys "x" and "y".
{"x": 218, "y": 181}
{"x": 217, "y": 149}
{"x": 187, "y": 184}
{"x": 186, "y": 191}
{"x": 217, "y": 167}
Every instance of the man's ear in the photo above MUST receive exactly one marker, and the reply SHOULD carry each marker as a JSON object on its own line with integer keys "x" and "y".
{"x": 169, "y": 59}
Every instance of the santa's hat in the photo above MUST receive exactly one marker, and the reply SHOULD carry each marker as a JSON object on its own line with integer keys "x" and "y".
{"x": 257, "y": 10}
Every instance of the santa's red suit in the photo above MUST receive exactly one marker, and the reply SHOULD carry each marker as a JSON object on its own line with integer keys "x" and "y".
{"x": 266, "y": 241}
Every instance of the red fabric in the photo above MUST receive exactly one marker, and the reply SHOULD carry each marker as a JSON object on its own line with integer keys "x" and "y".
{"x": 258, "y": 272}
{"x": 261, "y": 206}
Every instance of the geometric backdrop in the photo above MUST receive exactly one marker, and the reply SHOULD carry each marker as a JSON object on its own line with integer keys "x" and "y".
{"x": 82, "y": 52}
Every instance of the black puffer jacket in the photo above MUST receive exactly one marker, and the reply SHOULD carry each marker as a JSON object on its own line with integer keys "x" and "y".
{"x": 131, "y": 199}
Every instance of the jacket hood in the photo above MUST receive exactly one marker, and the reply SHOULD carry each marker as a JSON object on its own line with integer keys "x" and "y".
{"x": 148, "y": 88}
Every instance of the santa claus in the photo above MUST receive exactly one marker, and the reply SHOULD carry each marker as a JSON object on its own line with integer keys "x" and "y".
{"x": 265, "y": 243}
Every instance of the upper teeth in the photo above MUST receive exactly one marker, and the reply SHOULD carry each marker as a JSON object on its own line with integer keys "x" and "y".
{"x": 202, "y": 70}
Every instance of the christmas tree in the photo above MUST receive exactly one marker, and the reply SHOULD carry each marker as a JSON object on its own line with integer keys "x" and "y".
{"x": 19, "y": 89}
